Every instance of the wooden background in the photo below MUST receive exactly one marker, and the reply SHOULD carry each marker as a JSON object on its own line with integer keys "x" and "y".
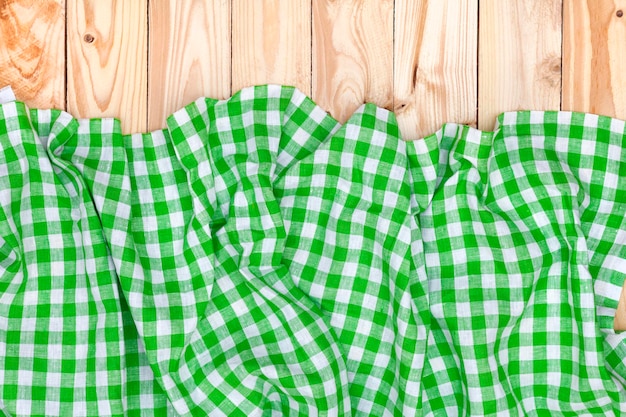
{"x": 431, "y": 61}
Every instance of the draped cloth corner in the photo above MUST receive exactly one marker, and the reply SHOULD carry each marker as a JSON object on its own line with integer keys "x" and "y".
{"x": 258, "y": 257}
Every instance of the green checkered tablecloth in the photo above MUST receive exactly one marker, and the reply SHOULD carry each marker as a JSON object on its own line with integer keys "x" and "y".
{"x": 258, "y": 258}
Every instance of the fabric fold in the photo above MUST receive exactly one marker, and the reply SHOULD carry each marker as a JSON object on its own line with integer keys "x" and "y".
{"x": 258, "y": 257}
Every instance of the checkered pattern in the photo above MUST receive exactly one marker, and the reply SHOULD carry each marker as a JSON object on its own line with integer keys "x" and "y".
{"x": 258, "y": 258}
{"x": 68, "y": 344}
{"x": 524, "y": 244}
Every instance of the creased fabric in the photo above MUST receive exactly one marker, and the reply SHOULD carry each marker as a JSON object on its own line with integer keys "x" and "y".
{"x": 259, "y": 258}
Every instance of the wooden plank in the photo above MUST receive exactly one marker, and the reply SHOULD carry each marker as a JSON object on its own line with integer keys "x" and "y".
{"x": 107, "y": 60}
{"x": 32, "y": 52}
{"x": 594, "y": 59}
{"x": 620, "y": 314}
{"x": 519, "y": 57}
{"x": 434, "y": 65}
{"x": 352, "y": 55}
{"x": 271, "y": 43}
{"x": 189, "y": 55}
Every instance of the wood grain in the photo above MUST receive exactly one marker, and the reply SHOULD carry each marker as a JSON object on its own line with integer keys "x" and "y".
{"x": 519, "y": 57}
{"x": 107, "y": 60}
{"x": 189, "y": 55}
{"x": 434, "y": 65}
{"x": 352, "y": 55}
{"x": 594, "y": 58}
{"x": 32, "y": 52}
{"x": 620, "y": 314}
{"x": 271, "y": 43}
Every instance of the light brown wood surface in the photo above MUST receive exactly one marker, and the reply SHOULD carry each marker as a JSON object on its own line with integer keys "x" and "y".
{"x": 435, "y": 72}
{"x": 432, "y": 61}
{"x": 189, "y": 55}
{"x": 620, "y": 313}
{"x": 271, "y": 43}
{"x": 352, "y": 55}
{"x": 107, "y": 60}
{"x": 519, "y": 56}
{"x": 32, "y": 50}
{"x": 423, "y": 58}
{"x": 594, "y": 57}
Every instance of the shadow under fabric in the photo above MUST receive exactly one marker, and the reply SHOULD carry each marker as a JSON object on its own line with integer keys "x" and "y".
{"x": 257, "y": 257}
